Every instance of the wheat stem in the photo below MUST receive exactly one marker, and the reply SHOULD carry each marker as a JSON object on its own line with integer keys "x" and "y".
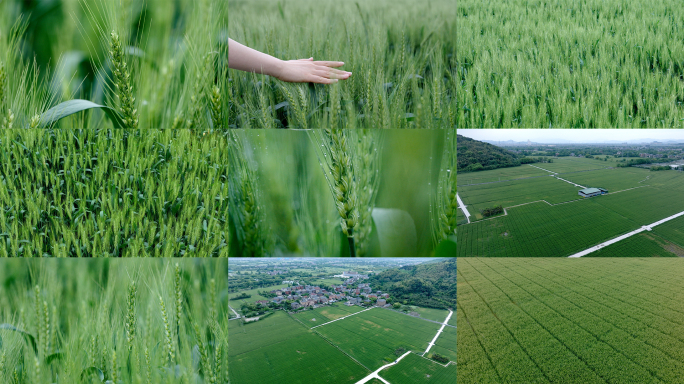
{"x": 123, "y": 83}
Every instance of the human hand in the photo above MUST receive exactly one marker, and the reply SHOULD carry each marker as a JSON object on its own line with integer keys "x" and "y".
{"x": 309, "y": 71}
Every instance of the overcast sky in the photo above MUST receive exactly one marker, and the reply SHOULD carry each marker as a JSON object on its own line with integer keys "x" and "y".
{"x": 574, "y": 135}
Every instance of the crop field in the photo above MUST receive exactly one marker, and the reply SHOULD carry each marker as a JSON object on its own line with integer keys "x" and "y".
{"x": 114, "y": 64}
{"x": 84, "y": 321}
{"x": 573, "y": 164}
{"x": 540, "y": 229}
{"x": 372, "y": 337}
{"x": 596, "y": 320}
{"x": 585, "y": 64}
{"x": 402, "y": 55}
{"x": 325, "y": 314}
{"x": 431, "y": 313}
{"x": 278, "y": 349}
{"x": 254, "y": 295}
{"x": 516, "y": 192}
{"x": 416, "y": 369}
{"x": 500, "y": 174}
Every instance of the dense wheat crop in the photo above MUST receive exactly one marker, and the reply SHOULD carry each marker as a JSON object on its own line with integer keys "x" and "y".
{"x": 148, "y": 64}
{"x": 578, "y": 64}
{"x": 401, "y": 54}
{"x": 114, "y": 321}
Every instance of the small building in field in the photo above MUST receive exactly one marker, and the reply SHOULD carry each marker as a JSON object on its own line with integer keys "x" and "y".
{"x": 590, "y": 192}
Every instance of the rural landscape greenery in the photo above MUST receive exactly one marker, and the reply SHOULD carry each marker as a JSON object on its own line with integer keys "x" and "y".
{"x": 573, "y": 321}
{"x": 536, "y": 210}
{"x": 402, "y": 55}
{"x": 114, "y": 64}
{"x": 560, "y": 64}
{"x": 324, "y": 320}
{"x": 113, "y": 321}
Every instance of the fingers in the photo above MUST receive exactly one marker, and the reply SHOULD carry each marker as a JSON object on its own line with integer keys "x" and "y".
{"x": 322, "y": 80}
{"x": 332, "y": 73}
{"x": 331, "y": 64}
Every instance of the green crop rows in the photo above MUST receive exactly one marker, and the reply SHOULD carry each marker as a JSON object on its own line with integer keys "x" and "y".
{"x": 416, "y": 369}
{"x": 540, "y": 229}
{"x": 500, "y": 174}
{"x": 580, "y": 64}
{"x": 644, "y": 244}
{"x": 325, "y": 314}
{"x": 373, "y": 336}
{"x": 446, "y": 343}
{"x": 591, "y": 320}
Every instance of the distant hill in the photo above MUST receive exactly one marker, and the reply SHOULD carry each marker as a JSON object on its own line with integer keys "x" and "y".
{"x": 476, "y": 155}
{"x": 429, "y": 285}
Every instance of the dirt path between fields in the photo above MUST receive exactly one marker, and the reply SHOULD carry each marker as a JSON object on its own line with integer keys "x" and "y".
{"x": 438, "y": 333}
{"x": 375, "y": 375}
{"x": 463, "y": 207}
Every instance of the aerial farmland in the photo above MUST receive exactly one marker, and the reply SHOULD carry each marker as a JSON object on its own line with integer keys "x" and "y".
{"x": 576, "y": 206}
{"x": 309, "y": 334}
{"x": 546, "y": 320}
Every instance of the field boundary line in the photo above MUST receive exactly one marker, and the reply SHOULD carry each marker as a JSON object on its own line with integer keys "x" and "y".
{"x": 622, "y": 237}
{"x": 533, "y": 177}
{"x": 439, "y": 332}
{"x": 463, "y": 207}
{"x": 356, "y": 313}
{"x": 555, "y": 173}
{"x": 420, "y": 318}
{"x": 329, "y": 342}
{"x": 375, "y": 374}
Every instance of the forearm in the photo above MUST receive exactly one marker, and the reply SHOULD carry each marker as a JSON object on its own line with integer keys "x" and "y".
{"x": 247, "y": 59}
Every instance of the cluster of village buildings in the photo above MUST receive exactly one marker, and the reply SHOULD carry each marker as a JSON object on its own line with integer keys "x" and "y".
{"x": 352, "y": 292}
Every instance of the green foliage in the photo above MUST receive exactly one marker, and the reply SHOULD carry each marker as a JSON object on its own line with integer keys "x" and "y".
{"x": 431, "y": 285}
{"x": 474, "y": 155}
{"x": 589, "y": 64}
{"x": 401, "y": 53}
{"x": 113, "y": 193}
{"x": 77, "y": 324}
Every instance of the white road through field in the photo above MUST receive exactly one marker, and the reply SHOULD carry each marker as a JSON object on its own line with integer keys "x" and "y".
{"x": 576, "y": 185}
{"x": 438, "y": 333}
{"x": 463, "y": 207}
{"x": 375, "y": 375}
{"x": 542, "y": 169}
{"x": 619, "y": 238}
{"x": 320, "y": 325}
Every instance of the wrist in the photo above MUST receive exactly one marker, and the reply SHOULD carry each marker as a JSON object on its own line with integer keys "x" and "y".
{"x": 278, "y": 68}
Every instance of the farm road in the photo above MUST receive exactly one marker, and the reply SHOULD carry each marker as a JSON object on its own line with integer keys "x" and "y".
{"x": 463, "y": 207}
{"x": 619, "y": 238}
{"x": 438, "y": 333}
{"x": 320, "y": 325}
{"x": 576, "y": 185}
{"x": 375, "y": 375}
{"x": 236, "y": 314}
{"x": 543, "y": 169}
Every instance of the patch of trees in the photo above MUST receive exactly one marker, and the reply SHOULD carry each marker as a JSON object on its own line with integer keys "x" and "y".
{"x": 243, "y": 295}
{"x": 474, "y": 155}
{"x": 532, "y": 160}
{"x": 440, "y": 358}
{"x": 431, "y": 285}
{"x": 660, "y": 168}
{"x": 487, "y": 212}
{"x": 638, "y": 162}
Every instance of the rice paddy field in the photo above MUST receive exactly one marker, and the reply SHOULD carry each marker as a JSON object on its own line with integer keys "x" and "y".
{"x": 585, "y": 64}
{"x": 283, "y": 348}
{"x": 402, "y": 55}
{"x": 134, "y": 321}
{"x": 549, "y": 218}
{"x": 596, "y": 320}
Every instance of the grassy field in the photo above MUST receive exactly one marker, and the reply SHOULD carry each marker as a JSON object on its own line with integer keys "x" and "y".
{"x": 431, "y": 313}
{"x": 278, "y": 349}
{"x": 373, "y": 336}
{"x": 500, "y": 174}
{"x": 592, "y": 63}
{"x": 416, "y": 369}
{"x": 134, "y": 321}
{"x": 516, "y": 192}
{"x": 402, "y": 56}
{"x": 325, "y": 314}
{"x": 574, "y": 321}
{"x": 539, "y": 229}
{"x": 114, "y": 64}
{"x": 573, "y": 164}
{"x": 254, "y": 295}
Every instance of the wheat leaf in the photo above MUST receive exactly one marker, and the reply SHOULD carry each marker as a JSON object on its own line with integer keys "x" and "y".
{"x": 68, "y": 108}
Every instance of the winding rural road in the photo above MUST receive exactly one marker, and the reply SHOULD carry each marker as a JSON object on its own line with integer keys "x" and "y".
{"x": 375, "y": 375}
{"x": 463, "y": 207}
{"x": 438, "y": 332}
{"x": 319, "y": 325}
{"x": 619, "y": 238}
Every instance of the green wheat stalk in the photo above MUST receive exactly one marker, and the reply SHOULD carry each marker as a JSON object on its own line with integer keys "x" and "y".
{"x": 123, "y": 83}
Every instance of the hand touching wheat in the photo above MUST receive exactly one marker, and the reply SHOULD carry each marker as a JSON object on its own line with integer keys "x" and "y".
{"x": 294, "y": 71}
